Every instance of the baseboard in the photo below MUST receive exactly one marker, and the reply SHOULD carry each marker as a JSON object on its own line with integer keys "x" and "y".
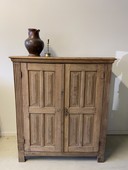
{"x": 4, "y": 134}
{"x": 110, "y": 132}
{"x": 118, "y": 132}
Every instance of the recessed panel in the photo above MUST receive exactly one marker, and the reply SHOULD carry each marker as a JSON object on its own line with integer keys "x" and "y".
{"x": 87, "y": 130}
{"x": 49, "y": 88}
{"x": 35, "y": 129}
{"x": 90, "y": 88}
{"x": 74, "y": 130}
{"x": 34, "y": 88}
{"x": 75, "y": 82}
{"x": 49, "y": 130}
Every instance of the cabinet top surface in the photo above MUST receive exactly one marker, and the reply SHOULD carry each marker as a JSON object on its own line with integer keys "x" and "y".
{"x": 38, "y": 59}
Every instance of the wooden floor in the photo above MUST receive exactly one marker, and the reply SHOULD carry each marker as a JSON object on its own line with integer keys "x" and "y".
{"x": 116, "y": 158}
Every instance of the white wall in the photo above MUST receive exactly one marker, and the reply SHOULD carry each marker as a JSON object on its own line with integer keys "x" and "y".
{"x": 75, "y": 28}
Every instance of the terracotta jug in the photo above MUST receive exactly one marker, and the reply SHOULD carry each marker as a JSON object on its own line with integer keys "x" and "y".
{"x": 33, "y": 43}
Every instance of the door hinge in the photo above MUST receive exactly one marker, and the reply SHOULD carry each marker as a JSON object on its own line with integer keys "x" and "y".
{"x": 66, "y": 111}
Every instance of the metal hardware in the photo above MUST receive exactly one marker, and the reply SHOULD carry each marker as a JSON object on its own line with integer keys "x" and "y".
{"x": 66, "y": 111}
{"x": 47, "y": 54}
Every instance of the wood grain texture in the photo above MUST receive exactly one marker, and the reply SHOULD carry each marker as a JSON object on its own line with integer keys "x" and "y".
{"x": 75, "y": 89}
{"x": 19, "y": 110}
{"x": 83, "y": 98}
{"x": 49, "y": 88}
{"x": 36, "y": 121}
{"x": 42, "y": 107}
{"x": 34, "y": 88}
{"x": 90, "y": 90}
{"x": 104, "y": 116}
{"x": 62, "y": 105}
{"x": 63, "y": 60}
{"x": 88, "y": 126}
{"x": 49, "y": 130}
{"x": 68, "y": 154}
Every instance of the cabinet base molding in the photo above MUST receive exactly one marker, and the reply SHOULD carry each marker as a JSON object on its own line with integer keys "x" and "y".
{"x": 23, "y": 156}
{"x": 60, "y": 154}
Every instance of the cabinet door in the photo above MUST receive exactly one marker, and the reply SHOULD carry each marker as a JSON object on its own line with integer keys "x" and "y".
{"x": 42, "y": 106}
{"x": 83, "y": 107}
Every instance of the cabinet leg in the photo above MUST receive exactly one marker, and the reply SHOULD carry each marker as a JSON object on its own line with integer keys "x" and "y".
{"x": 21, "y": 157}
{"x": 100, "y": 159}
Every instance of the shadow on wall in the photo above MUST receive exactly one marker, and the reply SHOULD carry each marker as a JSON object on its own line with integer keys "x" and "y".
{"x": 118, "y": 117}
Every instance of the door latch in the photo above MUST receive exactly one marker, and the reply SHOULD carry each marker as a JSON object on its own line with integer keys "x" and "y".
{"x": 66, "y": 112}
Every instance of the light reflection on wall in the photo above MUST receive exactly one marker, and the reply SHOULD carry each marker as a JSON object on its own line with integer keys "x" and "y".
{"x": 118, "y": 112}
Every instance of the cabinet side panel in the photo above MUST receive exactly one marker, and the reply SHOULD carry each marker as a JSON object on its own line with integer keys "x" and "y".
{"x": 25, "y": 95}
{"x": 104, "y": 118}
{"x": 19, "y": 110}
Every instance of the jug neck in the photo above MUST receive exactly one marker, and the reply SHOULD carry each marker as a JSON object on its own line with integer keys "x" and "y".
{"x": 33, "y": 33}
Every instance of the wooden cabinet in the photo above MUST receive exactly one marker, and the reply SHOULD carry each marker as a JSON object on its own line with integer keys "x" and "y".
{"x": 61, "y": 105}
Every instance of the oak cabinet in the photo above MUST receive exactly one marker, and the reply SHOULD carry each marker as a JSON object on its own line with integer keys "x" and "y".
{"x": 61, "y": 105}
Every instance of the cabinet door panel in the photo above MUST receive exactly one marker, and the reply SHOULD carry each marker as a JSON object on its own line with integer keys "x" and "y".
{"x": 49, "y": 78}
{"x": 83, "y": 98}
{"x": 49, "y": 130}
{"x": 35, "y": 128}
{"x": 74, "y": 130}
{"x": 43, "y": 106}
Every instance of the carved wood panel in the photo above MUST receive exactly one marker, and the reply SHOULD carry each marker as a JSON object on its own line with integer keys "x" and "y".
{"x": 42, "y": 129}
{"x": 34, "y": 88}
{"x": 43, "y": 108}
{"x": 42, "y": 83}
{"x": 83, "y": 98}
